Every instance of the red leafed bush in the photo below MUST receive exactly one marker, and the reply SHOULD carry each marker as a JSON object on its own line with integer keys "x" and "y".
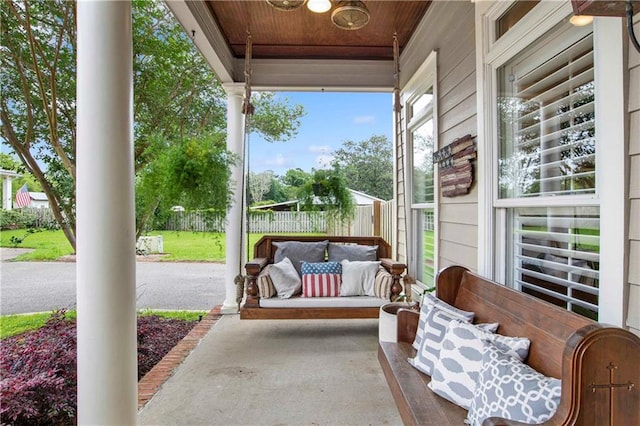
{"x": 156, "y": 337}
{"x": 38, "y": 381}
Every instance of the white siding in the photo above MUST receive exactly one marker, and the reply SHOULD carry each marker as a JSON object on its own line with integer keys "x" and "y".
{"x": 633, "y": 313}
{"x": 449, "y": 28}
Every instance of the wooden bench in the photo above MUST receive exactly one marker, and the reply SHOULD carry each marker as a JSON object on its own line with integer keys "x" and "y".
{"x": 264, "y": 252}
{"x": 599, "y": 365}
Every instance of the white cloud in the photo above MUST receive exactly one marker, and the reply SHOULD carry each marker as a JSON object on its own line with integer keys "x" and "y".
{"x": 320, "y": 149}
{"x": 364, "y": 119}
{"x": 324, "y": 161}
{"x": 278, "y": 161}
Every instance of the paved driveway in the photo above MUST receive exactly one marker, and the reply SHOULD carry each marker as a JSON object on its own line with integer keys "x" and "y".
{"x": 43, "y": 286}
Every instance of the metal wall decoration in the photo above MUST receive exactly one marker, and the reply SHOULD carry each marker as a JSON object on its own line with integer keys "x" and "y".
{"x": 454, "y": 163}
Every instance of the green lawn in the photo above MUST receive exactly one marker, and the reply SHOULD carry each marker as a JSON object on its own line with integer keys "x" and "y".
{"x": 10, "y": 325}
{"x": 180, "y": 246}
{"x": 49, "y": 245}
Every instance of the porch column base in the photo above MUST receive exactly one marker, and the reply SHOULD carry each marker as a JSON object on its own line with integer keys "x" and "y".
{"x": 228, "y": 309}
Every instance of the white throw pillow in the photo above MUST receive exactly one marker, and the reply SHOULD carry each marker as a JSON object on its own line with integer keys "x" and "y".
{"x": 285, "y": 279}
{"x": 358, "y": 278}
{"x": 456, "y": 371}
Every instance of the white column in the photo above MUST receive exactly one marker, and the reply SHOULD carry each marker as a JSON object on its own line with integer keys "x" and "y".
{"x": 106, "y": 294}
{"x": 235, "y": 244}
{"x": 7, "y": 202}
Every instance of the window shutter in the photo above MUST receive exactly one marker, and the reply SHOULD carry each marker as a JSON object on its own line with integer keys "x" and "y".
{"x": 556, "y": 254}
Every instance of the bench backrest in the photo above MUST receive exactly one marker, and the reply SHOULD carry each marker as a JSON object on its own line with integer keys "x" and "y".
{"x": 264, "y": 248}
{"x": 547, "y": 326}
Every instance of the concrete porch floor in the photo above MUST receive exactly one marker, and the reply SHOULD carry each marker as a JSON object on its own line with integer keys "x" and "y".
{"x": 278, "y": 372}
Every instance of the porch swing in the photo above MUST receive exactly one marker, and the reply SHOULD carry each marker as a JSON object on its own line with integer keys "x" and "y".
{"x": 387, "y": 279}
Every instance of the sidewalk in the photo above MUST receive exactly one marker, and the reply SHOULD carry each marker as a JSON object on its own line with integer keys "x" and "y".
{"x": 280, "y": 372}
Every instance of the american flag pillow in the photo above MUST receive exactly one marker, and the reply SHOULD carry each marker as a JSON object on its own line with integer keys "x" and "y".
{"x": 321, "y": 279}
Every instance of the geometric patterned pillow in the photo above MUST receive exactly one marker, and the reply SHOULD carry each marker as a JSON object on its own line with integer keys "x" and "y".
{"x": 436, "y": 322}
{"x": 321, "y": 279}
{"x": 509, "y": 389}
{"x": 456, "y": 372}
{"x": 430, "y": 301}
{"x": 266, "y": 288}
{"x": 382, "y": 284}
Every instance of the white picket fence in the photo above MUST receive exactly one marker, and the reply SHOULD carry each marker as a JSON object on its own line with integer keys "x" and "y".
{"x": 363, "y": 223}
{"x": 263, "y": 222}
{"x": 282, "y": 222}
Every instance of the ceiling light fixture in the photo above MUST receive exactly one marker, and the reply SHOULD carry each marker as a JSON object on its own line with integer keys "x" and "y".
{"x": 319, "y": 6}
{"x": 581, "y": 20}
{"x": 350, "y": 15}
{"x": 286, "y": 5}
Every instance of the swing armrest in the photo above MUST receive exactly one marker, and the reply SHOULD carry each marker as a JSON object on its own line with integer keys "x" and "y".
{"x": 254, "y": 266}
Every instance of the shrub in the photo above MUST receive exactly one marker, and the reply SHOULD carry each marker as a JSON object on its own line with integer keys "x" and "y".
{"x": 38, "y": 381}
{"x": 16, "y": 219}
{"x": 38, "y": 375}
{"x": 156, "y": 337}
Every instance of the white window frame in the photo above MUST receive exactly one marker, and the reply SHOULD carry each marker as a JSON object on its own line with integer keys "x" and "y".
{"x": 424, "y": 78}
{"x": 611, "y": 162}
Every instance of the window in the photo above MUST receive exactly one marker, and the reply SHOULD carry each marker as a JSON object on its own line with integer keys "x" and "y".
{"x": 546, "y": 138}
{"x": 419, "y": 98}
{"x": 551, "y": 110}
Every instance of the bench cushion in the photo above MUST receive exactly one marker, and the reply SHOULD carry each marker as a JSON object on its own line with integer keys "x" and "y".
{"x": 429, "y": 302}
{"x": 351, "y": 252}
{"x": 456, "y": 371}
{"x": 285, "y": 279}
{"x": 358, "y": 278}
{"x": 324, "y": 302}
{"x": 436, "y": 316}
{"x": 298, "y": 251}
{"x": 321, "y": 279}
{"x": 266, "y": 289}
{"x": 510, "y": 389}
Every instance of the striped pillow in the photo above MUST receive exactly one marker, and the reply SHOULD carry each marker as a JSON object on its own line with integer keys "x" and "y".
{"x": 266, "y": 289}
{"x": 382, "y": 284}
{"x": 321, "y": 279}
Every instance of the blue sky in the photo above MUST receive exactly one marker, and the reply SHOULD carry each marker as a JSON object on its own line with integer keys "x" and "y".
{"x": 331, "y": 118}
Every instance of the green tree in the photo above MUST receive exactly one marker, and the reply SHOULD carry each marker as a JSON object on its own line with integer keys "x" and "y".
{"x": 8, "y": 162}
{"x": 176, "y": 96}
{"x": 192, "y": 173}
{"x": 367, "y": 166}
{"x": 37, "y": 106}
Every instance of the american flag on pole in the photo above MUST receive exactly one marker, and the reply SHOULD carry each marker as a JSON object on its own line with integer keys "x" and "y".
{"x": 23, "y": 198}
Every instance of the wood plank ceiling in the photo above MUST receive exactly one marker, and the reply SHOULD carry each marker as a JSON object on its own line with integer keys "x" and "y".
{"x": 302, "y": 34}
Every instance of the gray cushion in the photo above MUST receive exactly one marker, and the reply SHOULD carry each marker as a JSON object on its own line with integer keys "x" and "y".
{"x": 298, "y": 251}
{"x": 512, "y": 390}
{"x": 456, "y": 371}
{"x": 285, "y": 279}
{"x": 351, "y": 252}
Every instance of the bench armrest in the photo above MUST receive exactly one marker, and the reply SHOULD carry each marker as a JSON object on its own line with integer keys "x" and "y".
{"x": 254, "y": 266}
{"x": 396, "y": 269}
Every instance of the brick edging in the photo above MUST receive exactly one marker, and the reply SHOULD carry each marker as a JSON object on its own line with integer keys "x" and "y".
{"x": 155, "y": 378}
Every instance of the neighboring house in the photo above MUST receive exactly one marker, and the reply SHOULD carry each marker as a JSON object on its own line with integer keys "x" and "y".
{"x": 39, "y": 200}
{"x": 7, "y": 198}
{"x": 360, "y": 199}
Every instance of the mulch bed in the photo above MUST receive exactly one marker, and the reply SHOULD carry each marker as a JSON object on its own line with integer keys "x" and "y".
{"x": 38, "y": 381}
